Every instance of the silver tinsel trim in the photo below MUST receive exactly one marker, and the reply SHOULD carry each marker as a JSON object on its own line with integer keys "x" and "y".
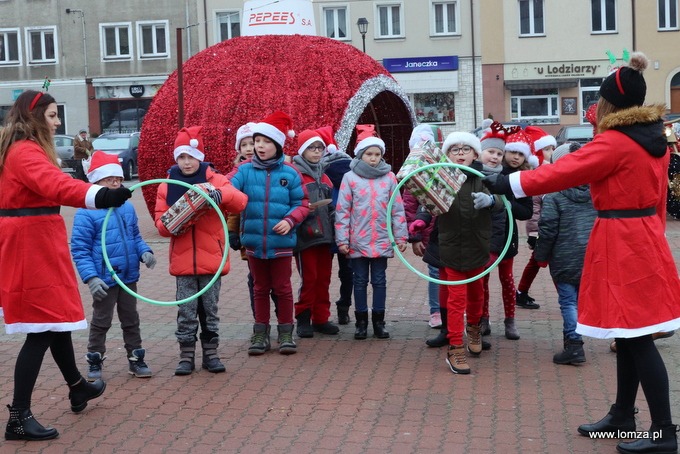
{"x": 356, "y": 106}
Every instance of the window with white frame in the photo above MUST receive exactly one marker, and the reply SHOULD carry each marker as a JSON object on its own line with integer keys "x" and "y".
{"x": 10, "y": 53}
{"x": 668, "y": 14}
{"x": 531, "y": 18}
{"x": 153, "y": 39}
{"x": 228, "y": 24}
{"x": 390, "y": 20}
{"x": 41, "y": 43}
{"x": 335, "y": 22}
{"x": 115, "y": 40}
{"x": 536, "y": 106}
{"x": 445, "y": 17}
{"x": 603, "y": 16}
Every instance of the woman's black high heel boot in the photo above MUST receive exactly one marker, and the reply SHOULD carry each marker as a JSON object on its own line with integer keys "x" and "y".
{"x": 82, "y": 391}
{"x": 22, "y": 425}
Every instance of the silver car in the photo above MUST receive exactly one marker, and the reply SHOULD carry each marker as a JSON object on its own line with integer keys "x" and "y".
{"x": 64, "y": 145}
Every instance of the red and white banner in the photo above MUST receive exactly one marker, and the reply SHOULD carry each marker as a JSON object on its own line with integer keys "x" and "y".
{"x": 282, "y": 17}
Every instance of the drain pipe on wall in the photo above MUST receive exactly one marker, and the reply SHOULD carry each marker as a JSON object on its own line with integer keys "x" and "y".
{"x": 474, "y": 72}
{"x": 82, "y": 20}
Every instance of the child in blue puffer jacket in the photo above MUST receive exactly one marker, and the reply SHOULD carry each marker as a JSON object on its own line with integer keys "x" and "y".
{"x": 125, "y": 248}
{"x": 277, "y": 204}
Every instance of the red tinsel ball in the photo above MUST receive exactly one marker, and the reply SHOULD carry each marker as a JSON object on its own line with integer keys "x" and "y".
{"x": 243, "y": 80}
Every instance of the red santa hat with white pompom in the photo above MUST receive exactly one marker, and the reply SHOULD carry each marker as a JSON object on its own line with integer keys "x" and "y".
{"x": 276, "y": 126}
{"x": 519, "y": 141}
{"x": 190, "y": 141}
{"x": 326, "y": 134}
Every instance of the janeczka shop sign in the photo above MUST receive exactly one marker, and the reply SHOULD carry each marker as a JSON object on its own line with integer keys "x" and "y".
{"x": 582, "y": 69}
{"x": 284, "y": 17}
{"x": 400, "y": 65}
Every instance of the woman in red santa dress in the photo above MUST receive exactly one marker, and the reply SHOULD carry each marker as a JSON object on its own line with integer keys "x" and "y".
{"x": 630, "y": 287}
{"x": 38, "y": 289}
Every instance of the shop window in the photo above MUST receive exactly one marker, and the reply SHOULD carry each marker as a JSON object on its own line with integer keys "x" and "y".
{"x": 445, "y": 15}
{"x": 389, "y": 21}
{"x": 228, "y": 25}
{"x": 122, "y": 116}
{"x": 115, "y": 41}
{"x": 434, "y": 107}
{"x": 9, "y": 47}
{"x": 590, "y": 94}
{"x": 531, "y": 19}
{"x": 603, "y": 16}
{"x": 668, "y": 14}
{"x": 153, "y": 39}
{"x": 335, "y": 23}
{"x": 42, "y": 44}
{"x": 535, "y": 106}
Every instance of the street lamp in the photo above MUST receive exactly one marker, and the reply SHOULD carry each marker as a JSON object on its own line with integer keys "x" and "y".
{"x": 362, "y": 23}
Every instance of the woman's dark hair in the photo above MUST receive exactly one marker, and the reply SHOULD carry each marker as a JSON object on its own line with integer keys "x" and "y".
{"x": 26, "y": 120}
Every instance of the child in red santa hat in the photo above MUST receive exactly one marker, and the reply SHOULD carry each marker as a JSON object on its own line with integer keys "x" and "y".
{"x": 125, "y": 249}
{"x": 314, "y": 239}
{"x": 277, "y": 204}
{"x": 361, "y": 227}
{"x": 196, "y": 254}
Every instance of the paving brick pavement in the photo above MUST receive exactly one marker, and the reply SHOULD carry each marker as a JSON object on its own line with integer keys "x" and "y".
{"x": 336, "y": 394}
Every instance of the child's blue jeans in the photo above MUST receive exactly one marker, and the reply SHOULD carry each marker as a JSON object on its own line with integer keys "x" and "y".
{"x": 567, "y": 296}
{"x": 361, "y": 267}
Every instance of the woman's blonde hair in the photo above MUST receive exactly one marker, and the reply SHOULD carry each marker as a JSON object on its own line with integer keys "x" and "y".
{"x": 26, "y": 120}
{"x": 604, "y": 108}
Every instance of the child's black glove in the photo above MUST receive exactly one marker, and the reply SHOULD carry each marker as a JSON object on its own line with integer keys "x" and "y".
{"x": 111, "y": 198}
{"x": 234, "y": 241}
{"x": 216, "y": 195}
{"x": 498, "y": 184}
{"x": 532, "y": 242}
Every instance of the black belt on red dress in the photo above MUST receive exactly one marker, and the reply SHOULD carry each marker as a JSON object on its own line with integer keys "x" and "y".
{"x": 623, "y": 214}
{"x": 21, "y": 212}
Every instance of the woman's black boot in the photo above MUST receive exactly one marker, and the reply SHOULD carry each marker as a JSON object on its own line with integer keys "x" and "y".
{"x": 378, "y": 319}
{"x": 662, "y": 440}
{"x": 22, "y": 425}
{"x": 83, "y": 391}
{"x": 440, "y": 340}
{"x": 361, "y": 325}
{"x": 616, "y": 419}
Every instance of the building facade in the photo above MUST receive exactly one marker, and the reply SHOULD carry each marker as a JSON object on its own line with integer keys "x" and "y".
{"x": 459, "y": 61}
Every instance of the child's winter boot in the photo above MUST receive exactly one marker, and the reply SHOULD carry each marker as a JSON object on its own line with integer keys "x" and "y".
{"x": 259, "y": 342}
{"x": 573, "y": 353}
{"x": 22, "y": 425}
{"x": 210, "y": 359}
{"x": 474, "y": 339}
{"x": 378, "y": 319}
{"x": 286, "y": 343}
{"x": 138, "y": 367}
{"x": 304, "y": 324}
{"x": 361, "y": 325}
{"x": 511, "y": 329}
{"x": 96, "y": 362}
{"x": 440, "y": 340}
{"x": 455, "y": 358}
{"x": 187, "y": 352}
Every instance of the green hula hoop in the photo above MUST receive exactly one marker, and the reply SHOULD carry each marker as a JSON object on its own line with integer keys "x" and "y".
{"x": 508, "y": 208}
{"x": 204, "y": 289}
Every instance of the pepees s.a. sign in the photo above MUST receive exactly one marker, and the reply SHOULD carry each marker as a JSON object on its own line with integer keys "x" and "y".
{"x": 285, "y": 17}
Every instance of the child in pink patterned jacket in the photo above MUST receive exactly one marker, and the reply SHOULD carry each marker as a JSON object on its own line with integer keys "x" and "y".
{"x": 361, "y": 227}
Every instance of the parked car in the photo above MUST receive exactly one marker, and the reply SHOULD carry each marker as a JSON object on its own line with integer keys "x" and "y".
{"x": 671, "y": 116}
{"x": 124, "y": 146}
{"x": 64, "y": 146}
{"x": 479, "y": 132}
{"x": 574, "y": 133}
{"x": 126, "y": 120}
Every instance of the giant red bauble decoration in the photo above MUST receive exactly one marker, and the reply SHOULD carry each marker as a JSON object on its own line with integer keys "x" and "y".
{"x": 317, "y": 81}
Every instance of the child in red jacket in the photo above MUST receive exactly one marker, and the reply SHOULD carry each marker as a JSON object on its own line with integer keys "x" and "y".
{"x": 196, "y": 254}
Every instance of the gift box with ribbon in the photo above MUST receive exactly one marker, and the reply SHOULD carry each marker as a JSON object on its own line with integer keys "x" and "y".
{"x": 186, "y": 210}
{"x": 434, "y": 188}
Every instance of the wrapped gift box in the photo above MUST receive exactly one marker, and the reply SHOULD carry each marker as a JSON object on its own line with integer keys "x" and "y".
{"x": 435, "y": 188}
{"x": 186, "y": 210}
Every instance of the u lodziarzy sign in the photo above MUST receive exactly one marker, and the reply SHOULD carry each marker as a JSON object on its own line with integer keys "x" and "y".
{"x": 401, "y": 65}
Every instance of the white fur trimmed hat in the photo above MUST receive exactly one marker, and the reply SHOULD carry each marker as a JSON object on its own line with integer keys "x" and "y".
{"x": 243, "y": 132}
{"x": 276, "y": 126}
{"x": 520, "y": 142}
{"x": 103, "y": 165}
{"x": 190, "y": 141}
{"x": 308, "y": 137}
{"x": 466, "y": 139}
{"x": 541, "y": 139}
{"x": 367, "y": 137}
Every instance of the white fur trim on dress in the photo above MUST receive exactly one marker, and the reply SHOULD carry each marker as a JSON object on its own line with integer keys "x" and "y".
{"x": 191, "y": 151}
{"x": 270, "y": 131}
{"x": 90, "y": 196}
{"x": 516, "y": 185}
{"x": 43, "y": 327}
{"x": 105, "y": 171}
{"x": 608, "y": 333}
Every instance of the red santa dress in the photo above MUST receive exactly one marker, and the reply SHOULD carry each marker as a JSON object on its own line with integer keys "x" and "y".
{"x": 38, "y": 287}
{"x": 630, "y": 285}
